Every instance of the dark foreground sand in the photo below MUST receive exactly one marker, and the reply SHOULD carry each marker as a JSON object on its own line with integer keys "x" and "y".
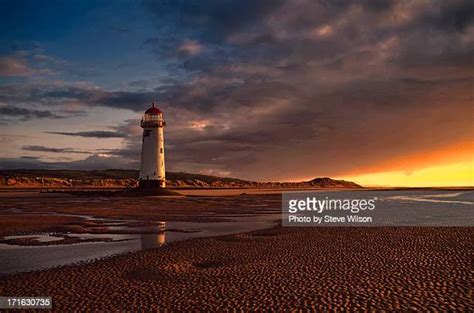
{"x": 280, "y": 269}
{"x": 403, "y": 269}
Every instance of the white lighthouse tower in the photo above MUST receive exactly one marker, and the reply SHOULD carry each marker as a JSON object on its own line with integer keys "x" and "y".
{"x": 152, "y": 168}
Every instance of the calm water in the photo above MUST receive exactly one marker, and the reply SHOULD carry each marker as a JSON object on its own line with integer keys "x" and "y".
{"x": 13, "y": 258}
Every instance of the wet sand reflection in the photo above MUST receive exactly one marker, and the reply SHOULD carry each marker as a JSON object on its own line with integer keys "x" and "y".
{"x": 155, "y": 238}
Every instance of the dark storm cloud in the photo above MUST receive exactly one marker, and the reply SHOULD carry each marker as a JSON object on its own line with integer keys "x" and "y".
{"x": 283, "y": 31}
{"x": 141, "y": 83}
{"x": 26, "y": 114}
{"x": 54, "y": 150}
{"x": 279, "y": 89}
{"x": 60, "y": 95}
{"x": 321, "y": 87}
{"x": 92, "y": 134}
{"x": 135, "y": 101}
{"x": 450, "y": 15}
{"x": 212, "y": 19}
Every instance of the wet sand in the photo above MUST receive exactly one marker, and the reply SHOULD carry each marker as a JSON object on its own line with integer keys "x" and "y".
{"x": 402, "y": 268}
{"x": 34, "y": 212}
{"x": 321, "y": 268}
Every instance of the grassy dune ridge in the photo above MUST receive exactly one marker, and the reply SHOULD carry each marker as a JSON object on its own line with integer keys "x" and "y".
{"x": 118, "y": 178}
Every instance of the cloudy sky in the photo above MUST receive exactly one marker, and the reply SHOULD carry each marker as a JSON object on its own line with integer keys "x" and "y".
{"x": 377, "y": 91}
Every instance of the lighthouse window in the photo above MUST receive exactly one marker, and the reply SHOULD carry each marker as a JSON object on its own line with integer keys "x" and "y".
{"x": 151, "y": 117}
{"x": 161, "y": 150}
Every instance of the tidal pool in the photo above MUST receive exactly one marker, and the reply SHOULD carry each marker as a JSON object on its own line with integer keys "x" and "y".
{"x": 16, "y": 258}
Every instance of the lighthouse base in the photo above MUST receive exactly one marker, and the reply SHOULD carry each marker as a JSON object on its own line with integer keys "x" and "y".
{"x": 151, "y": 184}
{"x": 153, "y": 188}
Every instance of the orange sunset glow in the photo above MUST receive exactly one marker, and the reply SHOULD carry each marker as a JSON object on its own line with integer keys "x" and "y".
{"x": 453, "y": 166}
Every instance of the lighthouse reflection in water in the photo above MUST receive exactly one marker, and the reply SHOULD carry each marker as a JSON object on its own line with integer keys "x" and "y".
{"x": 155, "y": 236}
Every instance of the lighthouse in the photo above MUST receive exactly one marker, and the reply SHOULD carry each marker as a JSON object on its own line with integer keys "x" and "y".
{"x": 152, "y": 167}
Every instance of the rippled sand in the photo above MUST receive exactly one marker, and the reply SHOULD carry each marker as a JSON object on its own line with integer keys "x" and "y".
{"x": 280, "y": 269}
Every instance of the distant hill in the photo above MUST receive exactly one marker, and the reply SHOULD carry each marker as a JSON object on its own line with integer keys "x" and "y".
{"x": 117, "y": 178}
{"x": 326, "y": 182}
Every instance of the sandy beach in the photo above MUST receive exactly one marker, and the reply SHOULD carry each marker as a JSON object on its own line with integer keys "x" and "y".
{"x": 352, "y": 268}
{"x": 280, "y": 269}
